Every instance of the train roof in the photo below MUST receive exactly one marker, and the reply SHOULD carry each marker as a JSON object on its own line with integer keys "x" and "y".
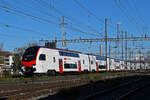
{"x": 57, "y": 49}
{"x": 71, "y": 51}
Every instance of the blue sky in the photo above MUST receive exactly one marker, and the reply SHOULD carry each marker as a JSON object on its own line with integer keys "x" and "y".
{"x": 133, "y": 14}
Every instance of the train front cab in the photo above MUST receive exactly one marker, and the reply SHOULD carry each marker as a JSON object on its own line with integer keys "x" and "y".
{"x": 29, "y": 59}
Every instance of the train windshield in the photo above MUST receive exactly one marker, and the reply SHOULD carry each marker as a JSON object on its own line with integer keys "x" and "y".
{"x": 30, "y": 54}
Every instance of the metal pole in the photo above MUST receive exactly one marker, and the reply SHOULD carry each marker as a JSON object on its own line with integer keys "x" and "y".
{"x": 115, "y": 51}
{"x": 122, "y": 43}
{"x": 100, "y": 50}
{"x": 106, "y": 43}
{"x": 118, "y": 38}
{"x": 126, "y": 47}
{"x": 109, "y": 55}
{"x": 140, "y": 58}
{"x": 63, "y": 30}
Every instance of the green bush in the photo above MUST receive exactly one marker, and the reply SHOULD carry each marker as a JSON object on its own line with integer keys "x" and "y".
{"x": 7, "y": 74}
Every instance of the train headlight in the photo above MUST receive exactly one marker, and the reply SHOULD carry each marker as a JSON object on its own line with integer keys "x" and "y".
{"x": 23, "y": 68}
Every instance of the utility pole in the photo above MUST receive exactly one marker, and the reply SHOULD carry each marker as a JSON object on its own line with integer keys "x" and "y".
{"x": 126, "y": 47}
{"x": 115, "y": 51}
{"x": 109, "y": 55}
{"x": 140, "y": 58}
{"x": 118, "y": 36}
{"x": 122, "y": 43}
{"x": 106, "y": 43}
{"x": 132, "y": 50}
{"x": 100, "y": 50}
{"x": 129, "y": 55}
{"x": 63, "y": 30}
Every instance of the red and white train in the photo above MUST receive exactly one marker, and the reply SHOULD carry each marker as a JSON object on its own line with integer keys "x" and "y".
{"x": 39, "y": 59}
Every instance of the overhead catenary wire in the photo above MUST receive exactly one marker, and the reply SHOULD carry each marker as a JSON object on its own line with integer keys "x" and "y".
{"x": 39, "y": 10}
{"x": 78, "y": 3}
{"x": 29, "y": 15}
{"x": 57, "y": 18}
{"x": 12, "y": 36}
{"x": 130, "y": 7}
{"x": 137, "y": 16}
{"x": 45, "y": 4}
{"x": 21, "y": 28}
{"x": 131, "y": 19}
{"x": 37, "y": 19}
{"x": 43, "y": 19}
{"x": 138, "y": 12}
{"x": 91, "y": 13}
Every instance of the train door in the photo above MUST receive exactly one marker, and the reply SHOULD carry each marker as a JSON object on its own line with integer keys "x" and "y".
{"x": 79, "y": 66}
{"x": 60, "y": 65}
{"x": 42, "y": 60}
{"x": 89, "y": 63}
{"x": 97, "y": 69}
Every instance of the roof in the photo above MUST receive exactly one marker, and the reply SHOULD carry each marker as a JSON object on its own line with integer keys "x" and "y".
{"x": 5, "y": 53}
{"x": 57, "y": 49}
{"x": 138, "y": 61}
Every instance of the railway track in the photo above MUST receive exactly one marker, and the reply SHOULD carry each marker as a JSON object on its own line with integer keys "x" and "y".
{"x": 34, "y": 89}
{"x": 25, "y": 91}
{"x": 72, "y": 78}
{"x": 120, "y": 92}
{"x": 133, "y": 91}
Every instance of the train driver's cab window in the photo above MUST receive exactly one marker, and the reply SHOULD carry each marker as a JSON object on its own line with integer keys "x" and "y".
{"x": 42, "y": 57}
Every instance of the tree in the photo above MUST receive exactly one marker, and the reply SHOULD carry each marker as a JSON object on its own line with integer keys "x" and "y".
{"x": 1, "y": 46}
{"x": 18, "y": 53}
{"x": 17, "y": 62}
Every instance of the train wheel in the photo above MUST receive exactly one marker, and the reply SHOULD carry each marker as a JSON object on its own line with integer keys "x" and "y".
{"x": 86, "y": 72}
{"x": 93, "y": 71}
{"x": 51, "y": 72}
{"x": 54, "y": 73}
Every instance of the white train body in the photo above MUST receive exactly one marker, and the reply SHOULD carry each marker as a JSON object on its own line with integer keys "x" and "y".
{"x": 111, "y": 64}
{"x": 122, "y": 65}
{"x": 44, "y": 60}
{"x": 101, "y": 63}
{"x": 117, "y": 64}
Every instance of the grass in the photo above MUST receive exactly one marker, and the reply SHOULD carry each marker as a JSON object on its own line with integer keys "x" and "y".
{"x": 43, "y": 77}
{"x": 9, "y": 79}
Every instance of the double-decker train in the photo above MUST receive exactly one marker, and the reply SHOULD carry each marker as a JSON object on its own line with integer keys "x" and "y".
{"x": 41, "y": 60}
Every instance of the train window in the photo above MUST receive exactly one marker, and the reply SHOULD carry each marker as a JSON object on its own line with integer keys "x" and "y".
{"x": 54, "y": 60}
{"x": 30, "y": 53}
{"x": 83, "y": 61}
{"x": 70, "y": 66}
{"x": 102, "y": 67}
{"x": 62, "y": 53}
{"x": 42, "y": 57}
{"x": 91, "y": 62}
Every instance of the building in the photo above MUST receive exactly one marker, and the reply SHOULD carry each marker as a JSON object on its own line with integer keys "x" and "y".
{"x": 6, "y": 60}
